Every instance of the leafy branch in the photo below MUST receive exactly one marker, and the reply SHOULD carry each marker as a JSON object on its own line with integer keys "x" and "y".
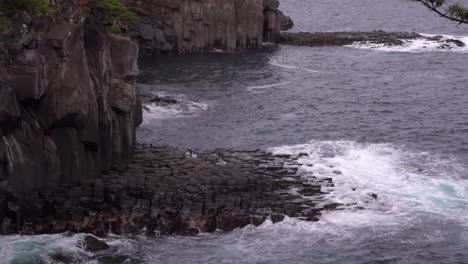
{"x": 453, "y": 12}
{"x": 115, "y": 9}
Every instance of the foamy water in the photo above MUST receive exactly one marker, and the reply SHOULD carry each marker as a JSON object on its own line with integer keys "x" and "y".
{"x": 408, "y": 184}
{"x": 153, "y": 112}
{"x": 290, "y": 67}
{"x": 419, "y": 45}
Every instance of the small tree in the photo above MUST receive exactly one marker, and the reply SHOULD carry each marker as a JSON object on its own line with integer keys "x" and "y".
{"x": 114, "y": 11}
{"x": 447, "y": 9}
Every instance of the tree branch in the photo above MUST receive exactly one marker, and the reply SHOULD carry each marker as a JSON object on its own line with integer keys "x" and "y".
{"x": 433, "y": 8}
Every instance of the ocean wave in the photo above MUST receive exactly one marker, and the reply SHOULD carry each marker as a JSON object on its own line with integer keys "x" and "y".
{"x": 153, "y": 111}
{"x": 251, "y": 88}
{"x": 419, "y": 45}
{"x": 384, "y": 183}
{"x": 291, "y": 67}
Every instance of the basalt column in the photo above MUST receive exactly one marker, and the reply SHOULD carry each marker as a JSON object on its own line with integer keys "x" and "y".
{"x": 197, "y": 26}
{"x": 271, "y": 21}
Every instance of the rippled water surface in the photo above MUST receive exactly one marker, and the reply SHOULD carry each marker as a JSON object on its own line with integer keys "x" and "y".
{"x": 393, "y": 121}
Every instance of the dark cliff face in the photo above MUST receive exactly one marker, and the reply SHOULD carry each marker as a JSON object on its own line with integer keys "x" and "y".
{"x": 197, "y": 26}
{"x": 68, "y": 102}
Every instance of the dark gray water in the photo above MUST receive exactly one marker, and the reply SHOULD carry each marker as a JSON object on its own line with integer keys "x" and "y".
{"x": 394, "y": 121}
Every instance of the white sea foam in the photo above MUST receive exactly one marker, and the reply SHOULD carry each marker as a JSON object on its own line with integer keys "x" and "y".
{"x": 182, "y": 108}
{"x": 418, "y": 45}
{"x": 408, "y": 184}
{"x": 32, "y": 249}
{"x": 251, "y": 88}
{"x": 291, "y": 67}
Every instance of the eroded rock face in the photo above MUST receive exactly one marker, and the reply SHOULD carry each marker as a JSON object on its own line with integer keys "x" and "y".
{"x": 196, "y": 26}
{"x": 69, "y": 105}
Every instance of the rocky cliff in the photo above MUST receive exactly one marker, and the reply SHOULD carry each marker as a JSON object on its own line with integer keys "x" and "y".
{"x": 68, "y": 103}
{"x": 203, "y": 25}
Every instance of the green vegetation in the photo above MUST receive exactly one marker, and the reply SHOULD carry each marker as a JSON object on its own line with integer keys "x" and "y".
{"x": 9, "y": 8}
{"x": 114, "y": 29}
{"x": 115, "y": 9}
{"x": 4, "y": 25}
{"x": 35, "y": 8}
{"x": 448, "y": 9}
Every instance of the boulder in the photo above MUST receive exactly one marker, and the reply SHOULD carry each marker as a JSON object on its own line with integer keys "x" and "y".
{"x": 286, "y": 22}
{"x": 92, "y": 244}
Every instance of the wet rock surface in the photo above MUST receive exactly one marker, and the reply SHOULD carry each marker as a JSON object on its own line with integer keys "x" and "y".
{"x": 93, "y": 244}
{"x": 169, "y": 191}
{"x": 321, "y": 39}
{"x": 286, "y": 22}
{"x": 163, "y": 100}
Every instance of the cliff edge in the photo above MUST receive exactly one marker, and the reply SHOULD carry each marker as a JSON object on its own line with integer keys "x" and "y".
{"x": 69, "y": 104}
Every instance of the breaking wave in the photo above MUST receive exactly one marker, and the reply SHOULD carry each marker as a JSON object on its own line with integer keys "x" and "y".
{"x": 420, "y": 45}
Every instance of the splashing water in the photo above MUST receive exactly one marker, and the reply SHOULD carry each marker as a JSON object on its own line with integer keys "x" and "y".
{"x": 408, "y": 184}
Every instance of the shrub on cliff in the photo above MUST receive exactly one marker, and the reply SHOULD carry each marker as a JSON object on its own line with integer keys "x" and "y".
{"x": 114, "y": 11}
{"x": 10, "y": 8}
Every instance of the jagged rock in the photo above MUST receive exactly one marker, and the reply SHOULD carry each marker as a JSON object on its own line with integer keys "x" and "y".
{"x": 320, "y": 39}
{"x": 163, "y": 100}
{"x": 286, "y": 22}
{"x": 93, "y": 244}
{"x": 457, "y": 42}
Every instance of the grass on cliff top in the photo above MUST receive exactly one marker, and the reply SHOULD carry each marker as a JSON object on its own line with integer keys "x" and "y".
{"x": 9, "y": 8}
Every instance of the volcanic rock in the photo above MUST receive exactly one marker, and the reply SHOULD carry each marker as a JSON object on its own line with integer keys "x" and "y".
{"x": 93, "y": 244}
{"x": 286, "y": 22}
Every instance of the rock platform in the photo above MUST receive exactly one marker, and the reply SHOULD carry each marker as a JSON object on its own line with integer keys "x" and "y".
{"x": 169, "y": 191}
{"x": 325, "y": 39}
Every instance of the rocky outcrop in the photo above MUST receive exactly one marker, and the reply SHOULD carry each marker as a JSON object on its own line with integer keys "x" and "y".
{"x": 68, "y": 105}
{"x": 93, "y": 244}
{"x": 196, "y": 26}
{"x": 321, "y": 39}
{"x": 286, "y": 22}
{"x": 169, "y": 191}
